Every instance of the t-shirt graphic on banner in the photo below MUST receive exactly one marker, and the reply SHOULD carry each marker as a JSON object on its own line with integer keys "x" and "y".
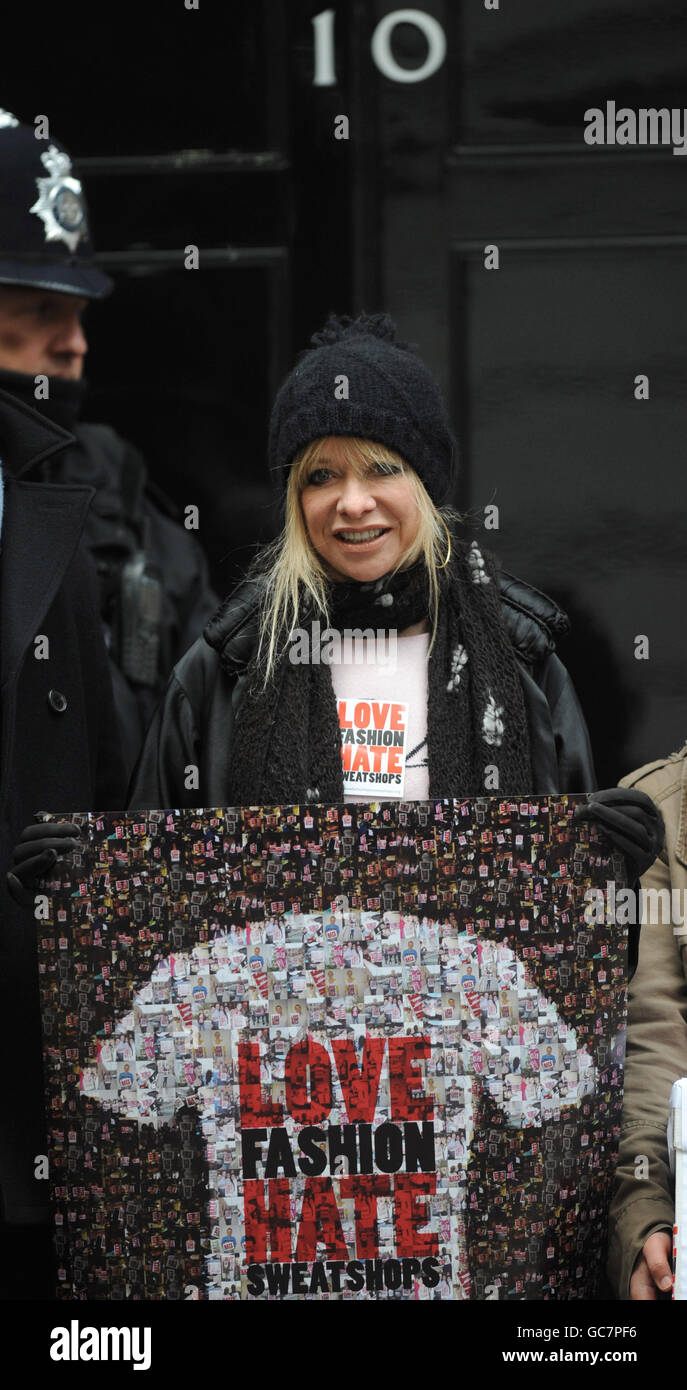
{"x": 373, "y": 747}
{"x": 333, "y": 1052}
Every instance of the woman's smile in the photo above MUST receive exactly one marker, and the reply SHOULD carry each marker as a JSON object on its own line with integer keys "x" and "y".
{"x": 358, "y": 538}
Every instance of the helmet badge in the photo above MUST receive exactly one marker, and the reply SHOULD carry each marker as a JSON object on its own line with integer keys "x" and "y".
{"x": 60, "y": 203}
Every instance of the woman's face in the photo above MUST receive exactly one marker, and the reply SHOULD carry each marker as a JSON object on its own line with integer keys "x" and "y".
{"x": 360, "y": 526}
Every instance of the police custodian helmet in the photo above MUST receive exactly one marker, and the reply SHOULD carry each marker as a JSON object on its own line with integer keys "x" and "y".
{"x": 44, "y": 238}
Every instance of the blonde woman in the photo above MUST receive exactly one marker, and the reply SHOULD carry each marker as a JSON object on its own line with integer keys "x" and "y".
{"x": 265, "y": 708}
{"x": 256, "y": 711}
{"x": 481, "y": 701}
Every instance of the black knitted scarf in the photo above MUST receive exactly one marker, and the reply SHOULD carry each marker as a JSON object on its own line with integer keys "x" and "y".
{"x": 287, "y": 746}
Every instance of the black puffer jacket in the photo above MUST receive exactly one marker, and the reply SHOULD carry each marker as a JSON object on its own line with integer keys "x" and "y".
{"x": 193, "y": 726}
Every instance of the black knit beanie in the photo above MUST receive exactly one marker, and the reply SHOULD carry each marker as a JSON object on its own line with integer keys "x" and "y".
{"x": 393, "y": 399}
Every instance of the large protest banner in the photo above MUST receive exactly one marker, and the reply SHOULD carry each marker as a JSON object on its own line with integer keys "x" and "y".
{"x": 358, "y": 1051}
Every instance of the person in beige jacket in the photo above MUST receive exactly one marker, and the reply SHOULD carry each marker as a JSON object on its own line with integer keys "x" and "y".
{"x": 641, "y": 1216}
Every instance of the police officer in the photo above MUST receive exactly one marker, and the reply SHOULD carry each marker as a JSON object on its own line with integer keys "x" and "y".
{"x": 59, "y": 751}
{"x": 155, "y": 595}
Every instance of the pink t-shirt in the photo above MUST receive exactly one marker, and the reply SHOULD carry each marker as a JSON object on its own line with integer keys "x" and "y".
{"x": 403, "y": 682}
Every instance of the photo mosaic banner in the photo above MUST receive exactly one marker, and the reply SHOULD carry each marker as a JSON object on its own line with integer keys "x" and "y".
{"x": 350, "y": 1052}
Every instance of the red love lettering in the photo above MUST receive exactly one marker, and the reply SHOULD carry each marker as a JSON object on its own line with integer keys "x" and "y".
{"x": 343, "y": 721}
{"x": 255, "y": 1111}
{"x": 308, "y": 1107}
{"x": 359, "y": 1083}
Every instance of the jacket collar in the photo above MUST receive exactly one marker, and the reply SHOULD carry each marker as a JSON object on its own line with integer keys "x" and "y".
{"x": 532, "y": 621}
{"x": 681, "y": 842}
{"x": 233, "y": 629}
{"x": 26, "y": 437}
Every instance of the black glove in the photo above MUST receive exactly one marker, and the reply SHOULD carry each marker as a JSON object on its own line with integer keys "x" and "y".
{"x": 632, "y": 822}
{"x": 37, "y": 850}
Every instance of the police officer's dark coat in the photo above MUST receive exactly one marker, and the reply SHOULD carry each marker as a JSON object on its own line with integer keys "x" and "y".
{"x": 59, "y": 746}
{"x": 127, "y": 514}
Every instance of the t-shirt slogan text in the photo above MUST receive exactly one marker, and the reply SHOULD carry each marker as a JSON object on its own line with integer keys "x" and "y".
{"x": 373, "y": 747}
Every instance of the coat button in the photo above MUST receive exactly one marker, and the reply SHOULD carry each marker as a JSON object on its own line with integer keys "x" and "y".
{"x": 57, "y": 701}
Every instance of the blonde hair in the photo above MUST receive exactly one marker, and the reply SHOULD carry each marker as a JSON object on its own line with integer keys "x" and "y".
{"x": 292, "y": 569}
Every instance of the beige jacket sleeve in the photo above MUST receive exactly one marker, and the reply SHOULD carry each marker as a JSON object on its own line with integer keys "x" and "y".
{"x": 656, "y": 1056}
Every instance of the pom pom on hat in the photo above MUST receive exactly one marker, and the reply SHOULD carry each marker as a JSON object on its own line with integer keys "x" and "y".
{"x": 392, "y": 399}
{"x": 337, "y": 329}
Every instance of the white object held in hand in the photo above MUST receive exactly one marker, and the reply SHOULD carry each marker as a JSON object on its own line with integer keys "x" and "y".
{"x": 677, "y": 1148}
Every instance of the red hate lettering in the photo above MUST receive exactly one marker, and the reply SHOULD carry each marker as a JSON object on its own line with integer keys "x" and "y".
{"x": 303, "y": 1058}
{"x": 255, "y": 1111}
{"x": 320, "y": 1222}
{"x": 359, "y": 1083}
{"x": 410, "y": 1212}
{"x": 344, "y": 723}
{"x": 395, "y": 759}
{"x": 347, "y": 756}
{"x": 267, "y": 1221}
{"x": 361, "y": 762}
{"x": 365, "y": 1191}
{"x": 404, "y": 1053}
{"x": 379, "y": 713}
{"x": 397, "y": 719}
{"x": 378, "y": 758}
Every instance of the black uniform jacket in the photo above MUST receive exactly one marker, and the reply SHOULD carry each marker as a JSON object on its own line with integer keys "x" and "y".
{"x": 128, "y": 513}
{"x": 59, "y": 747}
{"x": 193, "y": 725}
